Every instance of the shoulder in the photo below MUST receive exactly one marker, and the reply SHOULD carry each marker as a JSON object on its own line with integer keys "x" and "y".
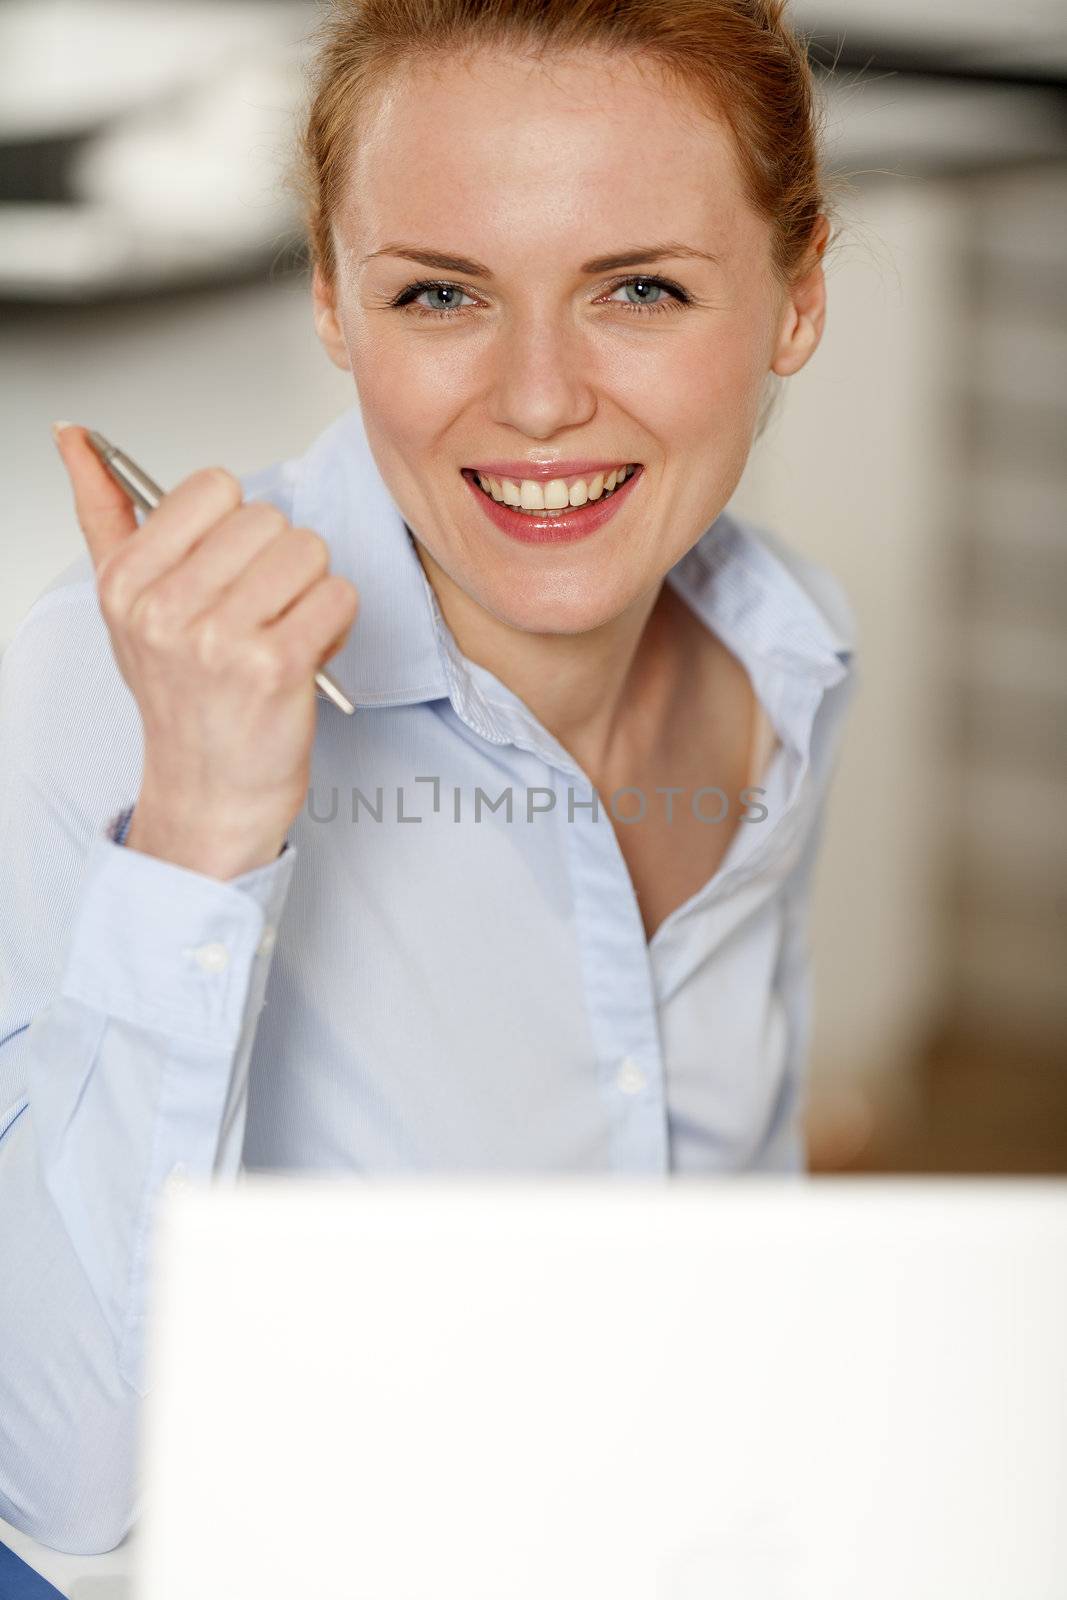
{"x": 69, "y": 724}
{"x": 60, "y": 637}
{"x": 275, "y": 483}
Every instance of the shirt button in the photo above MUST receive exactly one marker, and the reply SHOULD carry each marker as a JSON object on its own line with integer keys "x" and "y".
{"x": 630, "y": 1078}
{"x": 211, "y": 957}
{"x": 178, "y": 1176}
{"x": 266, "y": 943}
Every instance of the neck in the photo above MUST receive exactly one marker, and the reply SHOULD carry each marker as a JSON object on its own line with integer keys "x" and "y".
{"x": 594, "y": 692}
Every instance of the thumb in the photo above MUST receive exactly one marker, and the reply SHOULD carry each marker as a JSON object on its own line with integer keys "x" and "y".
{"x": 104, "y": 510}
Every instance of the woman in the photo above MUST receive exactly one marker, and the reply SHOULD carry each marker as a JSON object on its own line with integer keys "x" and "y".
{"x": 540, "y": 904}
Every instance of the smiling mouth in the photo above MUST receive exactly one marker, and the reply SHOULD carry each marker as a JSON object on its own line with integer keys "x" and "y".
{"x": 581, "y": 491}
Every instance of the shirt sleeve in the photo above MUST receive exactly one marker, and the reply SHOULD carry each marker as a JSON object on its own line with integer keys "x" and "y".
{"x": 130, "y": 992}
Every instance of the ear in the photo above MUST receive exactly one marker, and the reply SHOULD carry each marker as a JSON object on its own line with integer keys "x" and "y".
{"x": 805, "y": 311}
{"x": 327, "y": 325}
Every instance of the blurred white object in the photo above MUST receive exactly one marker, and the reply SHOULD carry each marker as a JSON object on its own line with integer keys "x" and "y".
{"x": 861, "y": 471}
{"x": 1030, "y": 33}
{"x": 187, "y": 119}
{"x": 204, "y": 169}
{"x": 575, "y": 1388}
{"x": 68, "y": 66}
{"x": 912, "y": 125}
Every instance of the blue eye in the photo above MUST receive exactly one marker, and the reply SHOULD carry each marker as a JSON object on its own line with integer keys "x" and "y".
{"x": 660, "y": 285}
{"x": 657, "y": 288}
{"x": 407, "y": 298}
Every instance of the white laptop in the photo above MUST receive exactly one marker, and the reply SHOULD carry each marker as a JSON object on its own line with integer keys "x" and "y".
{"x": 579, "y": 1389}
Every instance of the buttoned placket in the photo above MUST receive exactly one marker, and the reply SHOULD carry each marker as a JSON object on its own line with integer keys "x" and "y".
{"x": 618, "y": 981}
{"x": 609, "y": 933}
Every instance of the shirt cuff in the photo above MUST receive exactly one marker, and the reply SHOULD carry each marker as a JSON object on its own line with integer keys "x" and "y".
{"x": 167, "y": 948}
{"x": 119, "y": 827}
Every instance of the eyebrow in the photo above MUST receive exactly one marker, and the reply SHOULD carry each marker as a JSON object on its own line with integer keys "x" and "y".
{"x": 636, "y": 256}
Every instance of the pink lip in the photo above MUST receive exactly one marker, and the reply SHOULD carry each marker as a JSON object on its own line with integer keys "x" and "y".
{"x": 544, "y": 471}
{"x": 563, "y": 528}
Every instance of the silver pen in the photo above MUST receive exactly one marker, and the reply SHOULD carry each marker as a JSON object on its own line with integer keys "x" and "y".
{"x": 146, "y": 494}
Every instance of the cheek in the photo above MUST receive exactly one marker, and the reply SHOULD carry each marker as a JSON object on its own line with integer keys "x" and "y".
{"x": 410, "y": 393}
{"x": 401, "y": 410}
{"x": 715, "y": 387}
{"x": 691, "y": 389}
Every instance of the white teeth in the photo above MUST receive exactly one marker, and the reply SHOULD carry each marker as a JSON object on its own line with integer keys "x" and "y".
{"x": 534, "y": 496}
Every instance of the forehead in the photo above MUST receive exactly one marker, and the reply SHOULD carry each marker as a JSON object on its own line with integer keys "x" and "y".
{"x": 498, "y": 145}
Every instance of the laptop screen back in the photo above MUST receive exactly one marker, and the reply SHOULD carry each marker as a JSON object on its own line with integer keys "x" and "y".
{"x": 625, "y": 1390}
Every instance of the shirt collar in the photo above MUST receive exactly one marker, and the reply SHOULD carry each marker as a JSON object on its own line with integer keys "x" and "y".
{"x": 401, "y": 651}
{"x": 780, "y": 608}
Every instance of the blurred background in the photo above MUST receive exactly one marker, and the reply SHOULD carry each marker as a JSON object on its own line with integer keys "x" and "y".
{"x": 151, "y": 286}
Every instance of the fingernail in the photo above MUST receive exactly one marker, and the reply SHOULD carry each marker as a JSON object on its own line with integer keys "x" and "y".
{"x": 56, "y": 427}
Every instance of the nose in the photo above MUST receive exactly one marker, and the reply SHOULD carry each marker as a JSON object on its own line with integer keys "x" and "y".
{"x": 542, "y": 377}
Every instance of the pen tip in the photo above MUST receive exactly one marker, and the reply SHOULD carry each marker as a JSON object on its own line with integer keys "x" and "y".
{"x": 100, "y": 444}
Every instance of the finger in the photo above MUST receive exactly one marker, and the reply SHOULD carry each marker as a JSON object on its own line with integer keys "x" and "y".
{"x": 325, "y": 611}
{"x": 220, "y": 558}
{"x": 178, "y": 523}
{"x": 104, "y": 510}
{"x": 335, "y": 645}
{"x": 277, "y": 576}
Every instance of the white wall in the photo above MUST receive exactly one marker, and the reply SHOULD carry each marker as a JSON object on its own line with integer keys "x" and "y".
{"x": 858, "y": 472}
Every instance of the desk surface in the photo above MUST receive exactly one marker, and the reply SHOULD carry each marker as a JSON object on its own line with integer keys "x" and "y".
{"x": 106, "y": 1577}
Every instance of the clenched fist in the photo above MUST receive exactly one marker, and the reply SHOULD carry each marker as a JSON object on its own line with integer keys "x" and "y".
{"x": 220, "y": 614}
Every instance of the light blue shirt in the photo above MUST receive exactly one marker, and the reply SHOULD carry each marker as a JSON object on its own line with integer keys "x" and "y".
{"x": 418, "y": 982}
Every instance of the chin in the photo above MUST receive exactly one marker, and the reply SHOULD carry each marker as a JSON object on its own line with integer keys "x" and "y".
{"x": 557, "y": 609}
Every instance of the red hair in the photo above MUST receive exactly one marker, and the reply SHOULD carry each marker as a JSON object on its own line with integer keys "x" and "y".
{"x": 740, "y": 59}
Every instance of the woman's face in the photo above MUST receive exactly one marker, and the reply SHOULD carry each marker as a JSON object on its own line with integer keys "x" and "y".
{"x": 529, "y": 173}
